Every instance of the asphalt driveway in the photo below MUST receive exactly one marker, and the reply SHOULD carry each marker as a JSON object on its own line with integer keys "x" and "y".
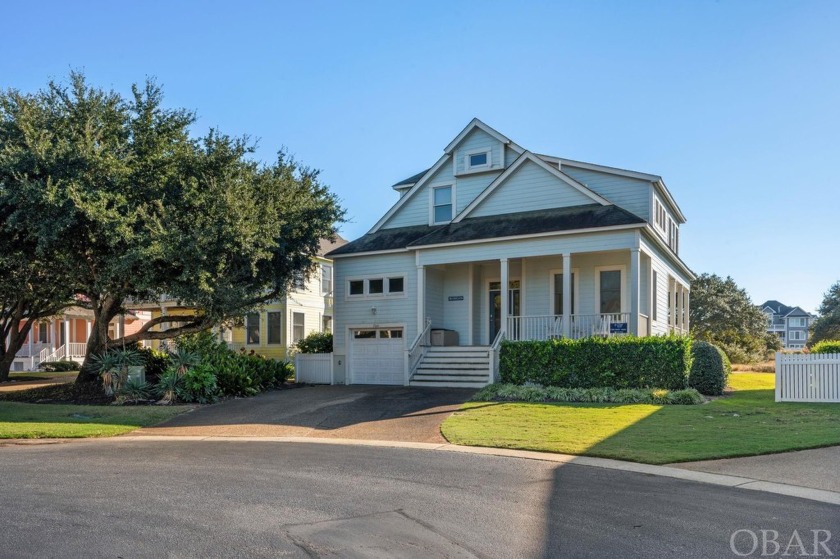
{"x": 387, "y": 413}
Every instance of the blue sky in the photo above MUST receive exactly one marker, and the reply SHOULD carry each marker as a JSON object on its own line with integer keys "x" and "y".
{"x": 735, "y": 104}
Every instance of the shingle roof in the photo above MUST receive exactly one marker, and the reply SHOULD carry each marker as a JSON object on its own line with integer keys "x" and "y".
{"x": 327, "y": 245}
{"x": 411, "y": 180}
{"x": 490, "y": 227}
{"x": 778, "y": 308}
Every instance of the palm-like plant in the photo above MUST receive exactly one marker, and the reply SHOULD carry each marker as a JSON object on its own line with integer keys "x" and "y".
{"x": 112, "y": 367}
{"x": 183, "y": 360}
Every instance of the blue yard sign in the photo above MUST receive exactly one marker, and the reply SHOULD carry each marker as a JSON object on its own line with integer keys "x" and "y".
{"x": 618, "y": 328}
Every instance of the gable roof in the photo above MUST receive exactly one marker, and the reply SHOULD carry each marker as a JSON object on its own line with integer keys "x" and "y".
{"x": 475, "y": 123}
{"x": 528, "y": 156}
{"x": 556, "y": 220}
{"x": 777, "y": 307}
{"x": 797, "y": 311}
{"x": 410, "y": 180}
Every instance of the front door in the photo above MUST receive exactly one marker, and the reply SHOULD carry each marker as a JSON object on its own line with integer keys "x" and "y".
{"x": 495, "y": 305}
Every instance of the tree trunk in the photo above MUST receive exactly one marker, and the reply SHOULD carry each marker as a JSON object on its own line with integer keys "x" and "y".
{"x": 98, "y": 342}
{"x": 17, "y": 337}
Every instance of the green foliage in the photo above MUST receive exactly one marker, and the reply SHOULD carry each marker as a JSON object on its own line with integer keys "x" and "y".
{"x": 619, "y": 362}
{"x": 827, "y": 326}
{"x": 316, "y": 342}
{"x": 534, "y": 393}
{"x": 710, "y": 369}
{"x": 59, "y": 366}
{"x": 198, "y": 384}
{"x": 826, "y": 346}
{"x": 183, "y": 360}
{"x": 168, "y": 384}
{"x": 134, "y": 389}
{"x": 112, "y": 367}
{"x": 121, "y": 199}
{"x": 154, "y": 361}
{"x": 723, "y": 314}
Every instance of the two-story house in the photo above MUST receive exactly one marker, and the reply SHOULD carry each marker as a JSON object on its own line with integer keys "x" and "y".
{"x": 791, "y": 324}
{"x": 497, "y": 242}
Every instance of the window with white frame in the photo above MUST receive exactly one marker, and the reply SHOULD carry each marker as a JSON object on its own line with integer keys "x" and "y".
{"x": 442, "y": 204}
{"x": 299, "y": 280}
{"x": 378, "y": 286}
{"x": 252, "y": 328}
{"x": 274, "y": 324}
{"x": 610, "y": 291}
{"x": 43, "y": 332}
{"x": 477, "y": 160}
{"x": 797, "y": 322}
{"x": 326, "y": 278}
{"x": 298, "y": 326}
{"x": 798, "y": 335}
{"x": 326, "y": 325}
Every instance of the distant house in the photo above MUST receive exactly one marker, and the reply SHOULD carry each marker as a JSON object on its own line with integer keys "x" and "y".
{"x": 64, "y": 337}
{"x": 278, "y": 325}
{"x": 789, "y": 323}
{"x": 494, "y": 241}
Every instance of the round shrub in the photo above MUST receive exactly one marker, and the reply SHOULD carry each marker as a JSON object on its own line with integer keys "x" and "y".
{"x": 826, "y": 346}
{"x": 316, "y": 342}
{"x": 709, "y": 370}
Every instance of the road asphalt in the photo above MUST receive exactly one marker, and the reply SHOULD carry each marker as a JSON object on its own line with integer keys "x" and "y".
{"x": 166, "y": 498}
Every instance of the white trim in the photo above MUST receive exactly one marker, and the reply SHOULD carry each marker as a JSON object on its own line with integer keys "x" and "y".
{"x": 576, "y": 302}
{"x": 452, "y": 201}
{"x": 667, "y": 252}
{"x": 470, "y": 169}
{"x": 386, "y": 294}
{"x": 528, "y": 156}
{"x": 474, "y": 123}
{"x": 414, "y": 189}
{"x": 471, "y": 303}
{"x": 486, "y": 297}
{"x": 533, "y": 235}
{"x": 625, "y": 295}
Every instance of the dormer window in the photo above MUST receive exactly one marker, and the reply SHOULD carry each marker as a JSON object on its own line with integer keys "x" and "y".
{"x": 442, "y": 204}
{"x": 477, "y": 160}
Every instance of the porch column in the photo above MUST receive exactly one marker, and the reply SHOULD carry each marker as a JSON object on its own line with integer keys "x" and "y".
{"x": 88, "y": 330}
{"x": 505, "y": 292}
{"x": 421, "y": 299}
{"x": 66, "y": 335}
{"x": 687, "y": 310}
{"x": 52, "y": 334}
{"x": 567, "y": 295}
{"x": 634, "y": 291}
{"x": 29, "y": 339}
{"x": 672, "y": 300}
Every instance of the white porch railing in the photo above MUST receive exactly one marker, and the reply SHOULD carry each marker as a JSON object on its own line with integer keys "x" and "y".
{"x": 808, "y": 378}
{"x": 418, "y": 348}
{"x": 546, "y": 327}
{"x": 76, "y": 350}
{"x": 543, "y": 327}
{"x": 606, "y": 324}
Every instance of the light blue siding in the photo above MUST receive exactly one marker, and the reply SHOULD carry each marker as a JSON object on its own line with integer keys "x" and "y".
{"x": 530, "y": 187}
{"x": 631, "y": 194}
{"x": 476, "y": 140}
{"x": 456, "y": 314}
{"x": 434, "y": 296}
{"x": 401, "y": 310}
{"x": 416, "y": 209}
{"x": 470, "y": 186}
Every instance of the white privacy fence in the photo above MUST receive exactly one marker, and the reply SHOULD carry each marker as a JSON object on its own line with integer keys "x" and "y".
{"x": 314, "y": 368}
{"x": 812, "y": 377}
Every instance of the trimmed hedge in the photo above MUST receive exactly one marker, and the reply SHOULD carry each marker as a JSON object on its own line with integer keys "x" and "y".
{"x": 826, "y": 346}
{"x": 620, "y": 362}
{"x": 710, "y": 369}
{"x": 519, "y": 393}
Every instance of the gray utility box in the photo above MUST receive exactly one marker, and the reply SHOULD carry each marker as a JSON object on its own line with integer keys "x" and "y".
{"x": 441, "y": 336}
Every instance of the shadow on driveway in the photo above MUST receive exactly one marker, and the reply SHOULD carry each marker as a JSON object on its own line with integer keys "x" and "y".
{"x": 386, "y": 413}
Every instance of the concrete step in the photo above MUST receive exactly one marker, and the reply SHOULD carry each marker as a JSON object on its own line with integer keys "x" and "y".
{"x": 458, "y": 354}
{"x": 456, "y": 364}
{"x": 449, "y": 383}
{"x": 444, "y": 376}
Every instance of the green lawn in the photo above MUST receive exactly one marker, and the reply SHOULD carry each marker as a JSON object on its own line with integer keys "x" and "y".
{"x": 746, "y": 423}
{"x": 33, "y": 376}
{"x": 36, "y": 421}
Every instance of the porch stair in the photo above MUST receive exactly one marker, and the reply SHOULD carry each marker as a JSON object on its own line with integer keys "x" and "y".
{"x": 453, "y": 367}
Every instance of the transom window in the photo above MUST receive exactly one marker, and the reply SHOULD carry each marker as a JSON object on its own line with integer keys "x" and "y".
{"x": 381, "y": 286}
{"x": 442, "y": 211}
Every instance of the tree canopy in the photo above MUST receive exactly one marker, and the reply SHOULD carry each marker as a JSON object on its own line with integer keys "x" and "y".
{"x": 135, "y": 209}
{"x": 827, "y": 326}
{"x": 723, "y": 314}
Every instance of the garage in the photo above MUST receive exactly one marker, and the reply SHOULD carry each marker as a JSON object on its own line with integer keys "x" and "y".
{"x": 377, "y": 356}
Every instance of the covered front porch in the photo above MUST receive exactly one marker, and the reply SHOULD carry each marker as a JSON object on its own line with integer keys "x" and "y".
{"x": 567, "y": 295}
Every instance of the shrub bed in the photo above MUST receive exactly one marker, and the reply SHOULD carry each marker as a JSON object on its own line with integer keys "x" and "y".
{"x": 620, "y": 362}
{"x": 533, "y": 393}
{"x": 710, "y": 369}
{"x": 826, "y": 346}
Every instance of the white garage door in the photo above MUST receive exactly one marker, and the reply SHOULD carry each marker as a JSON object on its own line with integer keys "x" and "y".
{"x": 377, "y": 356}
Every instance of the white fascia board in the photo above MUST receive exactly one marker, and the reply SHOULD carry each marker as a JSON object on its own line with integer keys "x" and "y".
{"x": 528, "y": 156}
{"x": 407, "y": 196}
{"x": 391, "y": 251}
{"x": 475, "y": 123}
{"x": 666, "y": 250}
{"x": 533, "y": 236}
{"x": 663, "y": 190}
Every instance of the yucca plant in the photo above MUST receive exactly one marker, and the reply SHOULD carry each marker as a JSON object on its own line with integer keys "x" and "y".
{"x": 135, "y": 389}
{"x": 112, "y": 367}
{"x": 168, "y": 385}
{"x": 183, "y": 360}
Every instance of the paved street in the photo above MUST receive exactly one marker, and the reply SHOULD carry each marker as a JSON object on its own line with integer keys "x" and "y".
{"x": 265, "y": 499}
{"x": 388, "y": 413}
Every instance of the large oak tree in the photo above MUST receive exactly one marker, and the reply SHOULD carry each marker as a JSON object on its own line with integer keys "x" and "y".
{"x": 827, "y": 326}
{"x": 138, "y": 209}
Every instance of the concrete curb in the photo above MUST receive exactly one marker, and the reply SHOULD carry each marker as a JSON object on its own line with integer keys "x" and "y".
{"x": 809, "y": 493}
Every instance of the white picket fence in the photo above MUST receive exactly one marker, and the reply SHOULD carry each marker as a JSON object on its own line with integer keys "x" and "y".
{"x": 314, "y": 368}
{"x": 813, "y": 377}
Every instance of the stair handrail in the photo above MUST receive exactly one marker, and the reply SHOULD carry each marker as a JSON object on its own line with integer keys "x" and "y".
{"x": 494, "y": 354}
{"x": 418, "y": 348}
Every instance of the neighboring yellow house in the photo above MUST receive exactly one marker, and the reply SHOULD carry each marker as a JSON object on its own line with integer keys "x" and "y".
{"x": 272, "y": 331}
{"x": 307, "y": 308}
